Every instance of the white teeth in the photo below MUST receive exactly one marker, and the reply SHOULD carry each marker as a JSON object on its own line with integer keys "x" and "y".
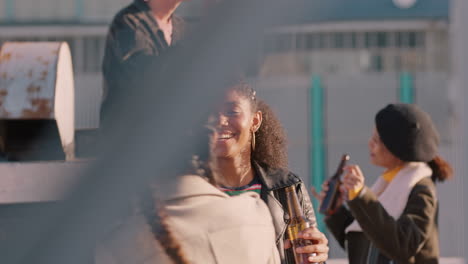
{"x": 225, "y": 136}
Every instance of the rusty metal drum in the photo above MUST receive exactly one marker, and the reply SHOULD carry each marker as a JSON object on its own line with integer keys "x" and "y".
{"x": 36, "y": 83}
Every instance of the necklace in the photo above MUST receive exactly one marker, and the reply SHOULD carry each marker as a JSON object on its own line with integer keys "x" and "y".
{"x": 244, "y": 175}
{"x": 239, "y": 182}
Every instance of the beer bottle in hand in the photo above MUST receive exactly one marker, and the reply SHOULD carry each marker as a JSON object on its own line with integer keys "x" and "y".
{"x": 298, "y": 223}
{"x": 329, "y": 203}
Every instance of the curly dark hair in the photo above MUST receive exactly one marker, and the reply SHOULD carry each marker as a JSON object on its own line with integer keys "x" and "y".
{"x": 270, "y": 138}
{"x": 441, "y": 169}
{"x": 156, "y": 217}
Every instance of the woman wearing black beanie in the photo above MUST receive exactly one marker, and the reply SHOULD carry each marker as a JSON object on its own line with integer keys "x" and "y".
{"x": 395, "y": 220}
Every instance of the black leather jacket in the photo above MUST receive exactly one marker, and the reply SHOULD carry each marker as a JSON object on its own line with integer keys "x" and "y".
{"x": 273, "y": 183}
{"x": 134, "y": 44}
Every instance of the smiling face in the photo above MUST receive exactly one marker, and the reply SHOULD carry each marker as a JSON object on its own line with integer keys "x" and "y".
{"x": 379, "y": 154}
{"x": 235, "y": 120}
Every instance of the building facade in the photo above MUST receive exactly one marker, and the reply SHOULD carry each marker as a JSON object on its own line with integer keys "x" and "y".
{"x": 361, "y": 36}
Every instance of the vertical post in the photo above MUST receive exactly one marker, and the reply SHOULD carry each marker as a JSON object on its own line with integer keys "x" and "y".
{"x": 317, "y": 171}
{"x": 79, "y": 9}
{"x": 406, "y": 92}
{"x": 10, "y": 9}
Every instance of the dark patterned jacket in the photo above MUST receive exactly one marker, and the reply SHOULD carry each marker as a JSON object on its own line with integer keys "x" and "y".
{"x": 134, "y": 42}
{"x": 273, "y": 183}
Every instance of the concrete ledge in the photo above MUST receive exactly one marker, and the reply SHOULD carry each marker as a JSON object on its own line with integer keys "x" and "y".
{"x": 24, "y": 182}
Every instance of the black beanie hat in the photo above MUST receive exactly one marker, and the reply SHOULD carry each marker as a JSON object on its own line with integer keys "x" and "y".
{"x": 407, "y": 132}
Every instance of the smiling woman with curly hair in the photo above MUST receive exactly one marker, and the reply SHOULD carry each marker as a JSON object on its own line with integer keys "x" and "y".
{"x": 251, "y": 155}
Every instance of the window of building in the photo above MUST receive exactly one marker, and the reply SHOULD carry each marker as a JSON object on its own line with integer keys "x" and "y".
{"x": 412, "y": 39}
{"x": 301, "y": 42}
{"x": 370, "y": 39}
{"x": 311, "y": 41}
{"x": 382, "y": 39}
{"x": 349, "y": 40}
{"x": 388, "y": 50}
{"x": 322, "y": 40}
{"x": 420, "y": 39}
{"x": 377, "y": 63}
{"x": 338, "y": 40}
{"x": 402, "y": 39}
{"x": 354, "y": 40}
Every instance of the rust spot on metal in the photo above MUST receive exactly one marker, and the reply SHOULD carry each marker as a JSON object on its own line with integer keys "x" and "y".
{"x": 4, "y": 75}
{"x": 41, "y": 109}
{"x": 33, "y": 89}
{"x": 30, "y": 73}
{"x": 5, "y": 57}
{"x": 44, "y": 75}
{"x": 55, "y": 52}
{"x": 3, "y": 94}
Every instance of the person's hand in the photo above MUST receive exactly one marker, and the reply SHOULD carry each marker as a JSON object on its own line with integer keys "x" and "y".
{"x": 319, "y": 245}
{"x": 321, "y": 196}
{"x": 353, "y": 180}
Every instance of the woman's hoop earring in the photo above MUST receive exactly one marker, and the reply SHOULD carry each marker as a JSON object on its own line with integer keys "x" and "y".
{"x": 253, "y": 140}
